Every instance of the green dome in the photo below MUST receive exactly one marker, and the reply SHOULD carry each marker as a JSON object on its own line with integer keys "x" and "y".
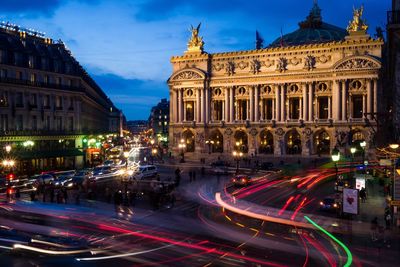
{"x": 311, "y": 31}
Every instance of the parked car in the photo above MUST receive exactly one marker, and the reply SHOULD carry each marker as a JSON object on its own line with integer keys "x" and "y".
{"x": 241, "y": 180}
{"x": 62, "y": 180}
{"x": 101, "y": 170}
{"x": 44, "y": 179}
{"x": 146, "y": 171}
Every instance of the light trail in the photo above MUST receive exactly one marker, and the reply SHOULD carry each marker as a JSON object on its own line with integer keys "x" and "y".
{"x": 346, "y": 249}
{"x": 258, "y": 216}
{"x": 286, "y": 205}
{"x": 50, "y": 252}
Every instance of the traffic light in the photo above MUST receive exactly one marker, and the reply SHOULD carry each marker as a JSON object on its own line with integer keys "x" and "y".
{"x": 10, "y": 176}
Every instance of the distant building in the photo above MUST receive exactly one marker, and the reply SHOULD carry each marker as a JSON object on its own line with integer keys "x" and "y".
{"x": 159, "y": 121}
{"x": 393, "y": 70}
{"x": 308, "y": 92}
{"x": 137, "y": 126}
{"x": 48, "y": 99}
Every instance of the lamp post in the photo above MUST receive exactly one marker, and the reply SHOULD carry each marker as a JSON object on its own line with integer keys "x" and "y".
{"x": 237, "y": 155}
{"x": 352, "y": 150}
{"x": 335, "y": 158}
{"x": 126, "y": 156}
{"x": 394, "y": 147}
{"x": 209, "y": 142}
{"x": 153, "y": 154}
{"x": 182, "y": 146}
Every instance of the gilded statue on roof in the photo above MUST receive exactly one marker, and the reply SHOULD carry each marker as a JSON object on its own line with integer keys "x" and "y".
{"x": 195, "y": 43}
{"x": 357, "y": 24}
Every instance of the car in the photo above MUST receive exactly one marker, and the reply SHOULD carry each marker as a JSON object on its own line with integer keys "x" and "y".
{"x": 220, "y": 163}
{"x": 45, "y": 179}
{"x": 329, "y": 204}
{"x": 62, "y": 180}
{"x": 241, "y": 180}
{"x": 100, "y": 170}
{"x": 145, "y": 171}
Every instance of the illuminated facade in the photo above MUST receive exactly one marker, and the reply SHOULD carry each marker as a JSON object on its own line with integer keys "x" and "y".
{"x": 46, "y": 97}
{"x": 307, "y": 92}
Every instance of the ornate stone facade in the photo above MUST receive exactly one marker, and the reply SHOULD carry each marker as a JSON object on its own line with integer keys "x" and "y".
{"x": 298, "y": 99}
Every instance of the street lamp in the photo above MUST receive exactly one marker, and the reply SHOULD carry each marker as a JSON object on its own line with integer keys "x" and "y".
{"x": 335, "y": 158}
{"x": 153, "y": 153}
{"x": 237, "y": 155}
{"x": 7, "y": 148}
{"x": 209, "y": 142}
{"x": 126, "y": 156}
{"x": 352, "y": 150}
{"x": 182, "y": 146}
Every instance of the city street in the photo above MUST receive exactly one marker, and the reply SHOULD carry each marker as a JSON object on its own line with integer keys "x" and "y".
{"x": 196, "y": 231}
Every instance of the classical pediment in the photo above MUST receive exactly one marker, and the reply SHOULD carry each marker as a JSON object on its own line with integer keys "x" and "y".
{"x": 188, "y": 75}
{"x": 358, "y": 63}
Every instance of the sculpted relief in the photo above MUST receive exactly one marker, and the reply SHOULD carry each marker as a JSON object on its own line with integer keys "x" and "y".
{"x": 188, "y": 75}
{"x": 357, "y": 63}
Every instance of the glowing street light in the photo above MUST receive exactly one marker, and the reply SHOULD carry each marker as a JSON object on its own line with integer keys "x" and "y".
{"x": 335, "y": 158}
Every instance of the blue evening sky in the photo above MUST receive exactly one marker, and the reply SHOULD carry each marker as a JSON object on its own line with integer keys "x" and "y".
{"x": 126, "y": 45}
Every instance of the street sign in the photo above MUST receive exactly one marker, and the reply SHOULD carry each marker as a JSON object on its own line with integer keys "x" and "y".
{"x": 395, "y": 203}
{"x": 360, "y": 183}
{"x": 350, "y": 201}
{"x": 385, "y": 162}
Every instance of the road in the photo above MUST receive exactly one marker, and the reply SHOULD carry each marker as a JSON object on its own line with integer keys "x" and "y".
{"x": 195, "y": 232}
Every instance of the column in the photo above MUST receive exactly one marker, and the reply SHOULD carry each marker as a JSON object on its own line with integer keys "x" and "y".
{"x": 256, "y": 104}
{"x": 198, "y": 108}
{"x": 207, "y": 105}
{"x": 350, "y": 106}
{"x": 277, "y": 104}
{"x": 375, "y": 81}
{"x": 180, "y": 105}
{"x": 251, "y": 96}
{"x": 203, "y": 106}
{"x": 369, "y": 99}
{"x": 226, "y": 115}
{"x": 283, "y": 104}
{"x": 336, "y": 100}
{"x": 305, "y": 102}
{"x": 273, "y": 109}
{"x": 248, "y": 110}
{"x": 301, "y": 108}
{"x": 344, "y": 100}
{"x": 364, "y": 105}
{"x": 262, "y": 109}
{"x": 172, "y": 106}
{"x": 231, "y": 105}
{"x": 329, "y": 107}
{"x": 310, "y": 102}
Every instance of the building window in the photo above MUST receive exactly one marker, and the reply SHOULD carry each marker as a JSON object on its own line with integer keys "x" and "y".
{"x": 56, "y": 65}
{"x": 3, "y": 56}
{"x": 3, "y": 73}
{"x": 294, "y": 108}
{"x": 46, "y": 79}
{"x": 33, "y": 77}
{"x": 323, "y": 107}
{"x": 46, "y": 101}
{"x": 58, "y": 102}
{"x": 189, "y": 108}
{"x": 18, "y": 75}
{"x": 4, "y": 122}
{"x": 58, "y": 123}
{"x": 159, "y": 123}
{"x": 217, "y": 110}
{"x": 71, "y": 103}
{"x": 19, "y": 123}
{"x": 17, "y": 59}
{"x": 33, "y": 101}
{"x": 19, "y": 100}
{"x": 71, "y": 124}
{"x": 45, "y": 63}
{"x": 241, "y": 108}
{"x": 48, "y": 123}
{"x": 267, "y": 108}
{"x": 34, "y": 123}
{"x": 58, "y": 81}
{"x": 4, "y": 99}
{"x": 357, "y": 106}
{"x": 31, "y": 62}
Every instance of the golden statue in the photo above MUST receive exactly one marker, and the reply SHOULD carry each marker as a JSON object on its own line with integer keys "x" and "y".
{"x": 195, "y": 43}
{"x": 357, "y": 24}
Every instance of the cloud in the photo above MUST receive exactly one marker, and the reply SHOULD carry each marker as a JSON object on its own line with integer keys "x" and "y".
{"x": 135, "y": 97}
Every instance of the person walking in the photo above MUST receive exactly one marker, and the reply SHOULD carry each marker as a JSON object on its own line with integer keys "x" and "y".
{"x": 177, "y": 177}
{"x": 194, "y": 175}
{"x": 190, "y": 176}
{"x": 388, "y": 218}
{"x": 374, "y": 229}
{"x": 363, "y": 195}
{"x": 65, "y": 195}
